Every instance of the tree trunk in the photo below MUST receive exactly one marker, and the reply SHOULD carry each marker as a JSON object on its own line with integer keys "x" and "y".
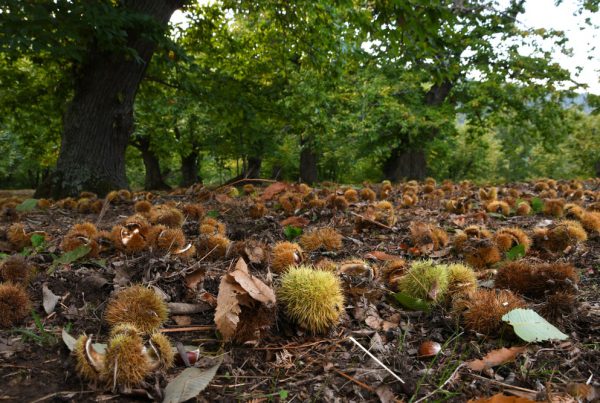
{"x": 99, "y": 120}
{"x": 153, "y": 179}
{"x": 308, "y": 165}
{"x": 251, "y": 171}
{"x": 408, "y": 164}
{"x": 597, "y": 166}
{"x": 408, "y": 160}
{"x": 189, "y": 169}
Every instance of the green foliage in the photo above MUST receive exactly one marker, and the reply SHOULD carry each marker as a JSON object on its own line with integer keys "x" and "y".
{"x": 516, "y": 252}
{"x": 41, "y": 337}
{"x": 27, "y": 205}
{"x": 537, "y": 205}
{"x": 292, "y": 232}
{"x": 70, "y": 256}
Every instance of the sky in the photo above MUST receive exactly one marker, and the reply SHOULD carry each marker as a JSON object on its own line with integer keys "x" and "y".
{"x": 545, "y": 14}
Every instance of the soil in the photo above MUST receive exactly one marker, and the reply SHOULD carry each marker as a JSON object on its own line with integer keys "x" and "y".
{"x": 287, "y": 363}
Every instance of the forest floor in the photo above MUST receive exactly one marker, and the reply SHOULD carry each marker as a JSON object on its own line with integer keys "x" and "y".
{"x": 287, "y": 363}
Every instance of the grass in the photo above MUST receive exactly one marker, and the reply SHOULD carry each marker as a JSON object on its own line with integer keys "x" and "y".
{"x": 42, "y": 337}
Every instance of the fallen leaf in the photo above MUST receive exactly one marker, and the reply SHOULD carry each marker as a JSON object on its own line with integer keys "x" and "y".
{"x": 501, "y": 398}
{"x": 240, "y": 290}
{"x": 385, "y": 394}
{"x": 531, "y": 327}
{"x": 49, "y": 299}
{"x": 273, "y": 189}
{"x": 182, "y": 320}
{"x": 194, "y": 279}
{"x": 295, "y": 221}
{"x": 189, "y": 384}
{"x": 496, "y": 357}
{"x": 583, "y": 392}
{"x": 68, "y": 340}
{"x": 254, "y": 286}
{"x": 222, "y": 198}
{"x": 379, "y": 255}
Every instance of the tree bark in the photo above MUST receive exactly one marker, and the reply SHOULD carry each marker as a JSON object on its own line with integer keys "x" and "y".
{"x": 408, "y": 161}
{"x": 308, "y": 163}
{"x": 189, "y": 169}
{"x": 99, "y": 121}
{"x": 408, "y": 164}
{"x": 153, "y": 179}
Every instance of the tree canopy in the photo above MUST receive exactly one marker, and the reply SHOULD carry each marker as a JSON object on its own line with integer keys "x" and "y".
{"x": 99, "y": 94}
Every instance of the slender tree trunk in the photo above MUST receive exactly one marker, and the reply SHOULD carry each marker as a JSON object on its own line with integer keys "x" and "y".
{"x": 189, "y": 169}
{"x": 308, "y": 162}
{"x": 597, "y": 168}
{"x": 253, "y": 167}
{"x": 153, "y": 179}
{"x": 99, "y": 120}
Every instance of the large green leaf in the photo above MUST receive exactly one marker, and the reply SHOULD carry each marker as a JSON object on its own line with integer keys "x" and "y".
{"x": 531, "y": 327}
{"x": 516, "y": 252}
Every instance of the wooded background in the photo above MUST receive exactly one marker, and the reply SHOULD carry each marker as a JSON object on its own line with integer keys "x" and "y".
{"x": 105, "y": 94}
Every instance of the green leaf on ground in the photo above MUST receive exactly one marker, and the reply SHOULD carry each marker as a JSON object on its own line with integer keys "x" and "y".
{"x": 415, "y": 304}
{"x": 27, "y": 205}
{"x": 531, "y": 327}
{"x": 537, "y": 204}
{"x": 516, "y": 252}
{"x": 292, "y": 232}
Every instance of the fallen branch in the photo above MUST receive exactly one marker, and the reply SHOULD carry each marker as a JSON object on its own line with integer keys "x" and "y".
{"x": 373, "y": 222}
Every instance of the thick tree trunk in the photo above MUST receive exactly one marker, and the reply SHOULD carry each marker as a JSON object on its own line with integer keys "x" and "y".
{"x": 189, "y": 169}
{"x": 153, "y": 179}
{"x": 308, "y": 163}
{"x": 408, "y": 160}
{"x": 409, "y": 164}
{"x": 99, "y": 120}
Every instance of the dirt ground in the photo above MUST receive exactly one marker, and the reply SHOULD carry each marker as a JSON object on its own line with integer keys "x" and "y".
{"x": 287, "y": 363}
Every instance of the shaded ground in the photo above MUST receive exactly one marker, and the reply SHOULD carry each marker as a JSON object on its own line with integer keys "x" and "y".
{"x": 288, "y": 364}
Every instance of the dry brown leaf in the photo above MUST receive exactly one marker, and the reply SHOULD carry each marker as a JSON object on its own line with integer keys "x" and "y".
{"x": 238, "y": 289}
{"x": 501, "y": 398}
{"x": 256, "y": 288}
{"x": 385, "y": 394}
{"x": 182, "y": 320}
{"x": 222, "y": 198}
{"x": 228, "y": 307}
{"x": 378, "y": 255}
{"x": 583, "y": 392}
{"x": 295, "y": 221}
{"x": 273, "y": 189}
{"x": 496, "y": 357}
{"x": 192, "y": 280}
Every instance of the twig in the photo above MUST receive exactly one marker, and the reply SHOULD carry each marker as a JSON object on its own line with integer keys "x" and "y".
{"x": 375, "y": 358}
{"x": 439, "y": 388}
{"x": 51, "y": 395}
{"x": 373, "y": 221}
{"x": 102, "y": 211}
{"x": 506, "y": 385}
{"x": 244, "y": 180}
{"x": 186, "y": 329}
{"x": 356, "y": 381}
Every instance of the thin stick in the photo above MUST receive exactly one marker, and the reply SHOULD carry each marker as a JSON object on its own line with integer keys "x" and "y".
{"x": 186, "y": 329}
{"x": 373, "y": 222}
{"x": 506, "y": 385}
{"x": 102, "y": 211}
{"x": 375, "y": 358}
{"x": 244, "y": 180}
{"x": 439, "y": 388}
{"x": 356, "y": 381}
